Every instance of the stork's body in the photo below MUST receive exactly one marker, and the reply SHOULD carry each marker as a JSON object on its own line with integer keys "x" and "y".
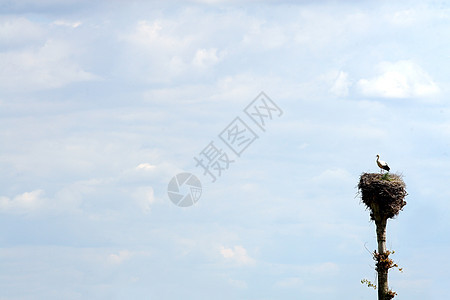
{"x": 382, "y": 164}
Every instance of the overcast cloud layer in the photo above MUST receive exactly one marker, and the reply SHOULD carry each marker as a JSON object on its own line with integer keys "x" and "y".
{"x": 101, "y": 104}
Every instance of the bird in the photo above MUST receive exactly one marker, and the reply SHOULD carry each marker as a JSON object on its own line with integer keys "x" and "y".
{"x": 382, "y": 164}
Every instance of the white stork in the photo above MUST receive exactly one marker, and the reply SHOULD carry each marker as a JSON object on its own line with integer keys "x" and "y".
{"x": 382, "y": 164}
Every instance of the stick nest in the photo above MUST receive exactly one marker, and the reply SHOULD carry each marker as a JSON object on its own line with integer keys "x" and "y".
{"x": 383, "y": 195}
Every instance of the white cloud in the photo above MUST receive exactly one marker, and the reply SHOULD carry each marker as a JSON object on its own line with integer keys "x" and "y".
{"x": 46, "y": 67}
{"x": 120, "y": 257}
{"x": 262, "y": 35}
{"x": 341, "y": 85}
{"x": 145, "y": 166}
{"x": 23, "y": 203}
{"x": 402, "y": 79}
{"x": 415, "y": 16}
{"x": 334, "y": 26}
{"x": 73, "y": 24}
{"x": 65, "y": 201}
{"x": 19, "y": 31}
{"x": 148, "y": 34}
{"x": 404, "y": 17}
{"x": 206, "y": 57}
{"x": 145, "y": 197}
{"x": 155, "y": 51}
{"x": 237, "y": 254}
{"x": 159, "y": 38}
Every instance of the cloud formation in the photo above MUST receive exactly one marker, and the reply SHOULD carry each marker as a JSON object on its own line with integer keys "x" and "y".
{"x": 401, "y": 79}
{"x": 45, "y": 67}
{"x": 102, "y": 104}
{"x": 27, "y": 202}
{"x": 237, "y": 254}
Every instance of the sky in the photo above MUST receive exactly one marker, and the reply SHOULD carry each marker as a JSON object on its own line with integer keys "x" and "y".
{"x": 102, "y": 103}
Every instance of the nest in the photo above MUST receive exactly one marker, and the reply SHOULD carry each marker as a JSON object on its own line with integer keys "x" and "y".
{"x": 383, "y": 195}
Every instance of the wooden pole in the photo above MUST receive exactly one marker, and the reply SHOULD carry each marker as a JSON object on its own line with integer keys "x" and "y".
{"x": 381, "y": 269}
{"x": 384, "y": 196}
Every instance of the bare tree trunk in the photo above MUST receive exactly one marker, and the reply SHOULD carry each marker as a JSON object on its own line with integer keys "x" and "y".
{"x": 382, "y": 272}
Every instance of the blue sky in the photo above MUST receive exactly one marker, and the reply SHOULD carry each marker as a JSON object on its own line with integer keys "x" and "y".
{"x": 102, "y": 103}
